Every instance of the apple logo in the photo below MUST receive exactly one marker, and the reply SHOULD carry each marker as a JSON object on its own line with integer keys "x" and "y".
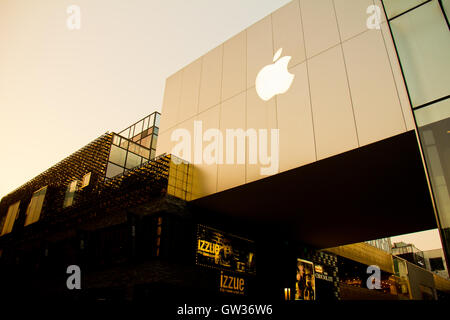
{"x": 274, "y": 78}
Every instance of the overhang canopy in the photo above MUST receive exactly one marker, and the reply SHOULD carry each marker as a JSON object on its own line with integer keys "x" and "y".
{"x": 372, "y": 192}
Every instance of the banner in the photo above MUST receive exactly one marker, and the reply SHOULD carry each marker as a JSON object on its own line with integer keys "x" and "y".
{"x": 305, "y": 286}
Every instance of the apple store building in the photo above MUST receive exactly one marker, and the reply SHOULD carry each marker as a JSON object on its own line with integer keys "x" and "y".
{"x": 327, "y": 119}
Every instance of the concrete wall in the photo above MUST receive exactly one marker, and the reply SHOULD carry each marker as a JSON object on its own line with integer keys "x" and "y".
{"x": 347, "y": 92}
{"x": 420, "y": 280}
{"x": 365, "y": 254}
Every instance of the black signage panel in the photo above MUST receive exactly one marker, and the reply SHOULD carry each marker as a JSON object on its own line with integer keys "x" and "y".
{"x": 224, "y": 251}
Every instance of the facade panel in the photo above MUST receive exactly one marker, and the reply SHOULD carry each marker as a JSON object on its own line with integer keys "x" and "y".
{"x": 377, "y": 115}
{"x": 334, "y": 123}
{"x": 320, "y": 115}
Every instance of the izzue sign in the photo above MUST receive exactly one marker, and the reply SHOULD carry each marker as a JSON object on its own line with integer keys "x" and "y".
{"x": 220, "y": 250}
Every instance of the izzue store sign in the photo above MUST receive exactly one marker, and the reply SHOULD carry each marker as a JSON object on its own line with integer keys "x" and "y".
{"x": 224, "y": 251}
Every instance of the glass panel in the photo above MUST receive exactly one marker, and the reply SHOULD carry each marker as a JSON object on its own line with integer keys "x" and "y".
{"x": 117, "y": 155}
{"x": 138, "y": 128}
{"x": 116, "y": 139}
{"x": 70, "y": 193}
{"x": 124, "y": 143}
{"x": 136, "y": 137}
{"x": 154, "y": 141}
{"x": 34, "y": 208}
{"x": 113, "y": 170}
{"x": 152, "y": 154}
{"x": 131, "y": 132}
{"x": 151, "y": 122}
{"x": 157, "y": 118}
{"x": 423, "y": 41}
{"x": 86, "y": 180}
{"x": 434, "y": 130}
{"x": 10, "y": 218}
{"x": 433, "y": 113}
{"x": 146, "y": 123}
{"x": 146, "y": 141}
{"x": 133, "y": 160}
{"x": 396, "y": 7}
{"x": 155, "y": 130}
{"x": 145, "y": 153}
{"x": 446, "y": 5}
{"x": 125, "y": 133}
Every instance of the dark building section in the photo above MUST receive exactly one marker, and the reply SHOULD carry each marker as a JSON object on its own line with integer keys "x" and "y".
{"x": 375, "y": 191}
{"x": 135, "y": 237}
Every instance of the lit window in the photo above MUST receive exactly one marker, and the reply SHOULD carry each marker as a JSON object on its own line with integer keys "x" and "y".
{"x": 70, "y": 193}
{"x": 35, "y": 206}
{"x": 86, "y": 180}
{"x": 11, "y": 216}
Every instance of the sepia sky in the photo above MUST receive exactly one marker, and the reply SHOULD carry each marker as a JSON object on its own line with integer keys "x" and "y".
{"x": 61, "y": 88}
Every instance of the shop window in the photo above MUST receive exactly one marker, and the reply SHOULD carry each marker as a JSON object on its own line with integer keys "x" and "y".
{"x": 34, "y": 208}
{"x": 11, "y": 217}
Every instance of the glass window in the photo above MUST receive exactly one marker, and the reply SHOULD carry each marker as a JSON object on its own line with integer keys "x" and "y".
{"x": 138, "y": 126}
{"x": 35, "y": 206}
{"x": 446, "y": 5}
{"x": 113, "y": 170}
{"x": 124, "y": 144}
{"x": 133, "y": 147}
{"x": 144, "y": 153}
{"x": 146, "y": 141}
{"x": 11, "y": 217}
{"x": 137, "y": 137}
{"x": 434, "y": 124}
{"x": 70, "y": 193}
{"x": 116, "y": 140}
{"x": 436, "y": 264}
{"x": 133, "y": 160}
{"x": 433, "y": 113}
{"x": 117, "y": 155}
{"x": 125, "y": 133}
{"x": 151, "y": 121}
{"x": 157, "y": 118}
{"x": 423, "y": 42}
{"x": 396, "y": 7}
{"x": 146, "y": 123}
{"x": 154, "y": 141}
{"x": 152, "y": 154}
{"x": 86, "y": 179}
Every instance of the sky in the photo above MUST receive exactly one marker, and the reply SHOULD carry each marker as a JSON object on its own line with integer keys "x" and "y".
{"x": 62, "y": 88}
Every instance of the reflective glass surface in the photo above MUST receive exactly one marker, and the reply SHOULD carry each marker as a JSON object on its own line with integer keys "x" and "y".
{"x": 133, "y": 160}
{"x": 423, "y": 42}
{"x": 396, "y": 7}
{"x": 117, "y": 155}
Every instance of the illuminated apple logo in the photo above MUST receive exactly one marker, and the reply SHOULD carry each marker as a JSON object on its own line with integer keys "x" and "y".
{"x": 274, "y": 78}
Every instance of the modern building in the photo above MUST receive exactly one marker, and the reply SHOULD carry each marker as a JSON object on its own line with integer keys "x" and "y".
{"x": 384, "y": 244}
{"x": 294, "y": 137}
{"x": 409, "y": 252}
{"x": 435, "y": 262}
